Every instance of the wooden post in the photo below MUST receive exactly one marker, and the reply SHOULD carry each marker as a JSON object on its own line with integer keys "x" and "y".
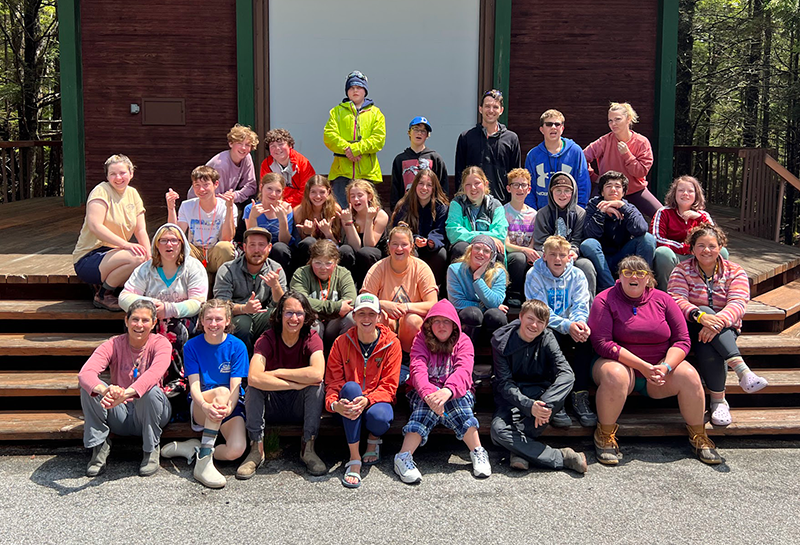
{"x": 14, "y": 185}
{"x": 5, "y": 179}
{"x": 664, "y": 121}
{"x": 502, "y": 52}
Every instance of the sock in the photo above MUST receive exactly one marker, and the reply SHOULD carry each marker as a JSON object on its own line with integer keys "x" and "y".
{"x": 716, "y": 401}
{"x": 738, "y": 365}
{"x": 104, "y": 287}
{"x": 207, "y": 441}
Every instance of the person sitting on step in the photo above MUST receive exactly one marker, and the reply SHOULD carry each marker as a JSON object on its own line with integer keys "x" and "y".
{"x": 521, "y": 220}
{"x": 641, "y": 339}
{"x": 275, "y": 215}
{"x": 531, "y": 382}
{"x": 555, "y": 280}
{"x": 215, "y": 363}
{"x": 441, "y": 392}
{"x": 133, "y": 403}
{"x": 712, "y": 293}
{"x": 285, "y": 382}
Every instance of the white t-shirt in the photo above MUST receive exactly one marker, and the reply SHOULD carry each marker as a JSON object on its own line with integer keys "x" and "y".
{"x": 204, "y": 228}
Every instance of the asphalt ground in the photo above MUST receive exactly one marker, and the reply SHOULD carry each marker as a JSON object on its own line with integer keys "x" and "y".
{"x": 660, "y": 494}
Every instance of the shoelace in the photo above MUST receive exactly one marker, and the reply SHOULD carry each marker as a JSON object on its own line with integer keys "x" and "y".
{"x": 408, "y": 461}
{"x": 481, "y": 456}
{"x": 582, "y": 404}
{"x": 701, "y": 442}
{"x": 609, "y": 440}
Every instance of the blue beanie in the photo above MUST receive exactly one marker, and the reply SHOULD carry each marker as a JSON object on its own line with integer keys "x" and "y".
{"x": 356, "y": 78}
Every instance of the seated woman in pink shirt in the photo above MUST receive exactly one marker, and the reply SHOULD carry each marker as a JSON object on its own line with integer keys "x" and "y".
{"x": 625, "y": 151}
{"x": 642, "y": 340}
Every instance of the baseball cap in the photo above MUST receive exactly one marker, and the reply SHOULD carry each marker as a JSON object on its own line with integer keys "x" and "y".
{"x": 257, "y": 231}
{"x": 367, "y": 300}
{"x": 420, "y": 120}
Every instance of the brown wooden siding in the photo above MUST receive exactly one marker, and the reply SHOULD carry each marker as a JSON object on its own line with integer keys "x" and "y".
{"x": 182, "y": 49}
{"x": 576, "y": 57}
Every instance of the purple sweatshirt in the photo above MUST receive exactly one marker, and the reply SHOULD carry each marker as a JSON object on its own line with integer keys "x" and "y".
{"x": 430, "y": 372}
{"x": 647, "y": 326}
{"x": 240, "y": 178}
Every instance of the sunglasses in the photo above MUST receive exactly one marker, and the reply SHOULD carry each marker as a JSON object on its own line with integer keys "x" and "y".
{"x": 492, "y": 93}
{"x": 627, "y": 273}
{"x": 553, "y": 123}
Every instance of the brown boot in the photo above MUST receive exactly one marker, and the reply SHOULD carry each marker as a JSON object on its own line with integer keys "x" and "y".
{"x": 703, "y": 446}
{"x": 251, "y": 463}
{"x": 605, "y": 444}
{"x": 313, "y": 463}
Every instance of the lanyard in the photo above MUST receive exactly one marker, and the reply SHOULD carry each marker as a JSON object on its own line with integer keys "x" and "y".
{"x": 324, "y": 294}
{"x": 202, "y": 230}
{"x": 709, "y": 280}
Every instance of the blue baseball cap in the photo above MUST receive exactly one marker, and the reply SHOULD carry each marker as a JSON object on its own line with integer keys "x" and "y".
{"x": 419, "y": 120}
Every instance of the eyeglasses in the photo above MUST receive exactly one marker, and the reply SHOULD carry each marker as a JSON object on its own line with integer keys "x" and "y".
{"x": 553, "y": 123}
{"x": 440, "y": 321}
{"x": 165, "y": 241}
{"x": 627, "y": 273}
{"x": 325, "y": 264}
{"x": 289, "y": 314}
{"x": 519, "y": 186}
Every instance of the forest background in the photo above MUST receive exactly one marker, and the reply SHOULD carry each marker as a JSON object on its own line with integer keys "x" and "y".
{"x": 738, "y": 82}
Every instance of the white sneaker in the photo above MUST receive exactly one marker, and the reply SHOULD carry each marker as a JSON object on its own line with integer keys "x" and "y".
{"x": 480, "y": 462}
{"x": 406, "y": 469}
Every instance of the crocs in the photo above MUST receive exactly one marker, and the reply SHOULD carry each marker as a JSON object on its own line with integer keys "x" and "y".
{"x": 721, "y": 414}
{"x": 752, "y": 383}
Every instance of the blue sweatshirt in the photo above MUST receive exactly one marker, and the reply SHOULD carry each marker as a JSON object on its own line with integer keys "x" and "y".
{"x": 566, "y": 295}
{"x": 542, "y": 165}
{"x": 465, "y": 292}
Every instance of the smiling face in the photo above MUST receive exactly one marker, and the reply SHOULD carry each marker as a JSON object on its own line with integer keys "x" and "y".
{"x": 519, "y": 188}
{"x": 424, "y": 189}
{"x": 170, "y": 246}
{"x": 530, "y": 326}
{"x": 271, "y": 193}
{"x": 239, "y": 150}
{"x": 214, "y": 321}
{"x": 119, "y": 176}
{"x": 556, "y": 260}
{"x": 685, "y": 195}
{"x": 400, "y": 247}
{"x": 442, "y": 328}
{"x": 490, "y": 110}
{"x": 562, "y": 195}
{"x": 480, "y": 255}
{"x": 280, "y": 151}
{"x": 359, "y": 199}
{"x": 613, "y": 190}
{"x": 323, "y": 267}
{"x": 318, "y": 194}
{"x": 366, "y": 320}
{"x": 356, "y": 94}
{"x": 294, "y": 316}
{"x": 706, "y": 250}
{"x": 552, "y": 129}
{"x": 204, "y": 188}
{"x": 256, "y": 250}
{"x": 474, "y": 188}
{"x": 139, "y": 326}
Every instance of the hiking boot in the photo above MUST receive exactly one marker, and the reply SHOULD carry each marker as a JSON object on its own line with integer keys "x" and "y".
{"x": 480, "y": 463}
{"x": 251, "y": 463}
{"x": 205, "y": 473}
{"x": 406, "y": 469}
{"x": 97, "y": 464}
{"x": 313, "y": 463}
{"x": 520, "y": 463}
{"x": 583, "y": 410}
{"x": 107, "y": 302}
{"x": 576, "y": 461}
{"x": 703, "y": 446}
{"x": 560, "y": 419}
{"x": 605, "y": 444}
{"x": 185, "y": 449}
{"x": 150, "y": 462}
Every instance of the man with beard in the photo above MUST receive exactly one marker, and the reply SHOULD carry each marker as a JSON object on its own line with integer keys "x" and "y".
{"x": 253, "y": 283}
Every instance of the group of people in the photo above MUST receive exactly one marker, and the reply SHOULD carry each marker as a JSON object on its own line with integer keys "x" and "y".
{"x": 317, "y": 299}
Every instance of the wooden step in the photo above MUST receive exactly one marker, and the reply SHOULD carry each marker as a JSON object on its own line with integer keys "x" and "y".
{"x": 781, "y": 381}
{"x": 38, "y": 383}
{"x": 760, "y": 312}
{"x": 786, "y": 297}
{"x": 60, "y": 425}
{"x": 55, "y": 310}
{"x": 50, "y": 344}
{"x": 770, "y": 344}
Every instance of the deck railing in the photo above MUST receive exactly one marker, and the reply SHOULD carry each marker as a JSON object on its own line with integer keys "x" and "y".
{"x": 30, "y": 169}
{"x": 748, "y": 179}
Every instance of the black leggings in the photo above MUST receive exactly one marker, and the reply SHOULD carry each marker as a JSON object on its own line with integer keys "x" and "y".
{"x": 479, "y": 325}
{"x": 580, "y": 360}
{"x": 711, "y": 356}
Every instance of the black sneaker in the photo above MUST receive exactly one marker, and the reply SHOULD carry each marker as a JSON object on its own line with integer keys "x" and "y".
{"x": 513, "y": 302}
{"x": 583, "y": 410}
{"x": 561, "y": 419}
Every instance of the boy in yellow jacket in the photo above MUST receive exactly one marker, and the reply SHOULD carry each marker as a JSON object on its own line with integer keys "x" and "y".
{"x": 355, "y": 133}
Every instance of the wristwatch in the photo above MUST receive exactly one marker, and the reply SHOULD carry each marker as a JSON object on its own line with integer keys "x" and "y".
{"x": 695, "y": 315}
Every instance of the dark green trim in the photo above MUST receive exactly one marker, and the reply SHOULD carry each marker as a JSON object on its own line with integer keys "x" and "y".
{"x": 664, "y": 122}
{"x": 502, "y": 50}
{"x": 245, "y": 63}
{"x": 72, "y": 136}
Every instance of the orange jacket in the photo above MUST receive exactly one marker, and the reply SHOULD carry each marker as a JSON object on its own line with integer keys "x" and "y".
{"x": 378, "y": 376}
{"x": 304, "y": 171}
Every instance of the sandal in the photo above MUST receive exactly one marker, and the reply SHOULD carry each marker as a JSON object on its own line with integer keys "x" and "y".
{"x": 376, "y": 451}
{"x": 351, "y": 474}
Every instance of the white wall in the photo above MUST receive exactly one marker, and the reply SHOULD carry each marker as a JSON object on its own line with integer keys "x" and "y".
{"x": 421, "y": 58}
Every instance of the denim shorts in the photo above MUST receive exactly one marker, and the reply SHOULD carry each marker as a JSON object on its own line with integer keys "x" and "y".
{"x": 88, "y": 267}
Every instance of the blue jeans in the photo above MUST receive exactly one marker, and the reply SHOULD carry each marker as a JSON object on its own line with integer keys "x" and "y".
{"x": 377, "y": 417}
{"x": 644, "y": 246}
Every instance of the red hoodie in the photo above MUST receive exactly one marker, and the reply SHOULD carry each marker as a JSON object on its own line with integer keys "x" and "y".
{"x": 302, "y": 172}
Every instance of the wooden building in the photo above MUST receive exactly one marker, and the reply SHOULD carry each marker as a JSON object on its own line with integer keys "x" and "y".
{"x": 195, "y": 69}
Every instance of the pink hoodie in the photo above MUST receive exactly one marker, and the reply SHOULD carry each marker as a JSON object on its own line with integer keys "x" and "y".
{"x": 430, "y": 372}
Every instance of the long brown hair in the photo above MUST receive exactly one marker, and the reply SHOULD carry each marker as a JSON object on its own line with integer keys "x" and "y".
{"x": 305, "y": 210}
{"x": 671, "y": 200}
{"x": 411, "y": 201}
{"x": 434, "y": 344}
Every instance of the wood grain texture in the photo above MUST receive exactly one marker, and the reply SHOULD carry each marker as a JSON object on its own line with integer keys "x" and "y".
{"x": 157, "y": 49}
{"x": 576, "y": 57}
{"x": 52, "y": 344}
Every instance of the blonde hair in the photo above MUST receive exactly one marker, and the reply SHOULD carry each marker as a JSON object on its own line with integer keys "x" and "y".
{"x": 474, "y": 171}
{"x": 242, "y": 133}
{"x": 270, "y": 178}
{"x": 216, "y": 303}
{"x": 156, "y": 260}
{"x": 519, "y": 173}
{"x": 119, "y": 158}
{"x": 490, "y": 272}
{"x": 364, "y": 185}
{"x": 555, "y": 242}
{"x": 627, "y": 109}
{"x": 551, "y": 113}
